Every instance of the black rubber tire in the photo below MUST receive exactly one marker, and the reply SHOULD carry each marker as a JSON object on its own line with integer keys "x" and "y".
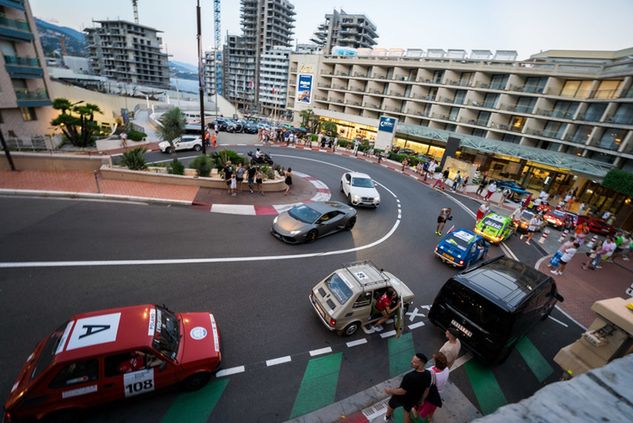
{"x": 349, "y": 199}
{"x": 350, "y": 329}
{"x": 350, "y": 223}
{"x": 169, "y": 150}
{"x": 312, "y": 235}
{"x": 197, "y": 147}
{"x": 196, "y": 381}
{"x": 342, "y": 187}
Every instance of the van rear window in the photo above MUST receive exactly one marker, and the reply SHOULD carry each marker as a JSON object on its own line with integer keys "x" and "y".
{"x": 475, "y": 307}
{"x": 338, "y": 288}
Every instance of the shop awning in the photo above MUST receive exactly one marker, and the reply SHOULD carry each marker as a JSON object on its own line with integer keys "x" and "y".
{"x": 575, "y": 164}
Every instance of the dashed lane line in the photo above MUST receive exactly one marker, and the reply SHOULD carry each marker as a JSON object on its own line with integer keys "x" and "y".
{"x": 388, "y": 334}
{"x": 320, "y": 351}
{"x": 280, "y": 360}
{"x": 416, "y": 325}
{"x": 230, "y": 371}
{"x": 356, "y": 343}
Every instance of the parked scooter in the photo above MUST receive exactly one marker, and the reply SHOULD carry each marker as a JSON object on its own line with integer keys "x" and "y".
{"x": 263, "y": 159}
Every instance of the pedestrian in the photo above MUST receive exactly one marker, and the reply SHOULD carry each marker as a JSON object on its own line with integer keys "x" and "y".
{"x": 425, "y": 169}
{"x": 431, "y": 171}
{"x": 250, "y": 175}
{"x": 492, "y": 188}
{"x": 445, "y": 214}
{"x": 451, "y": 347}
{"x": 482, "y": 185}
{"x": 405, "y": 164}
{"x": 334, "y": 144}
{"x": 233, "y": 185}
{"x": 214, "y": 140}
{"x": 463, "y": 185}
{"x": 457, "y": 181}
{"x": 239, "y": 176}
{"x": 527, "y": 201}
{"x": 288, "y": 180}
{"x": 356, "y": 145}
{"x": 534, "y": 225}
{"x": 483, "y": 210}
{"x": 582, "y": 209}
{"x": 259, "y": 181}
{"x": 379, "y": 156}
{"x": 439, "y": 378}
{"x": 387, "y": 304}
{"x": 566, "y": 258}
{"x": 504, "y": 196}
{"x": 516, "y": 215}
{"x": 591, "y": 256}
{"x": 412, "y": 390}
{"x": 605, "y": 253}
{"x": 559, "y": 253}
{"x": 228, "y": 172}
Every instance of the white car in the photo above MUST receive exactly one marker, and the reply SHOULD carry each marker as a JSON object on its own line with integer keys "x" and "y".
{"x": 186, "y": 142}
{"x": 359, "y": 189}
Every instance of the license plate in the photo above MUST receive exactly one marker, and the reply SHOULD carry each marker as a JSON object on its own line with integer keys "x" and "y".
{"x": 448, "y": 256}
{"x": 461, "y": 329}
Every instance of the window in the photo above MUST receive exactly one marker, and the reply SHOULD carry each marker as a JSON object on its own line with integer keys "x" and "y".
{"x": 577, "y": 89}
{"x": 76, "y": 373}
{"x": 534, "y": 85}
{"x": 483, "y": 118}
{"x": 554, "y": 129}
{"x": 499, "y": 82}
{"x": 623, "y": 115}
{"x": 438, "y": 76}
{"x": 612, "y": 138}
{"x": 479, "y": 133}
{"x": 363, "y": 300}
{"x": 452, "y": 115}
{"x": 28, "y": 113}
{"x": 459, "y": 97}
{"x": 594, "y": 112}
{"x": 582, "y": 134}
{"x": 525, "y": 104}
{"x": 607, "y": 89}
{"x": 490, "y": 100}
{"x": 514, "y": 139}
{"x": 516, "y": 123}
{"x": 565, "y": 109}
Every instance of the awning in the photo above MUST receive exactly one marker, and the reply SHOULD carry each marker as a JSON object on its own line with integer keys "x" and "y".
{"x": 575, "y": 164}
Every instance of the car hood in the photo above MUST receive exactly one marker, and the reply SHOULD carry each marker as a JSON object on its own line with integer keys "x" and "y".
{"x": 364, "y": 192}
{"x": 200, "y": 338}
{"x": 286, "y": 223}
{"x": 163, "y": 143}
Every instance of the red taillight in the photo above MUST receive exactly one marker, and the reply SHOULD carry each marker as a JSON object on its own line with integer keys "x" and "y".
{"x": 332, "y": 322}
{"x": 461, "y": 262}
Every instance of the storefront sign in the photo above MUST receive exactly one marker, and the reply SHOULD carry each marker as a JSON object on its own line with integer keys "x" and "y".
{"x": 387, "y": 124}
{"x": 386, "y": 132}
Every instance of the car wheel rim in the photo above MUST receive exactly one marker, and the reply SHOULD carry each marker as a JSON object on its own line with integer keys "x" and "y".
{"x": 351, "y": 329}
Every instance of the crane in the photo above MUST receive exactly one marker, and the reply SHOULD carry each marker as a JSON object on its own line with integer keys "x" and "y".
{"x": 217, "y": 36}
{"x": 135, "y": 7}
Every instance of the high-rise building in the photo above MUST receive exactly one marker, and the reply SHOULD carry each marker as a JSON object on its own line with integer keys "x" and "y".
{"x": 127, "y": 52}
{"x": 25, "y": 111}
{"x": 273, "y": 80}
{"x": 212, "y": 59}
{"x": 345, "y": 30}
{"x": 557, "y": 121}
{"x": 266, "y": 24}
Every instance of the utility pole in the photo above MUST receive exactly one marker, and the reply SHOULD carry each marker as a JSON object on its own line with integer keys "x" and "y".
{"x": 7, "y": 152}
{"x": 218, "y": 65}
{"x": 201, "y": 79}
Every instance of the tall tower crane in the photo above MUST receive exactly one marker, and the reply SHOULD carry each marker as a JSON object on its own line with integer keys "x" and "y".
{"x": 217, "y": 37}
{"x": 135, "y": 7}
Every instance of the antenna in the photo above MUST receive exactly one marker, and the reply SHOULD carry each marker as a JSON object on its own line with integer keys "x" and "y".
{"x": 135, "y": 7}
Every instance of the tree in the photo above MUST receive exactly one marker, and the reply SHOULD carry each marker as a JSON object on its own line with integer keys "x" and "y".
{"x": 76, "y": 121}
{"x": 329, "y": 128}
{"x": 619, "y": 181}
{"x": 309, "y": 120}
{"x": 173, "y": 124}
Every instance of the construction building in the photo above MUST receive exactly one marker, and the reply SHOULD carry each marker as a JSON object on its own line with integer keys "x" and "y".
{"x": 273, "y": 81}
{"x": 211, "y": 81}
{"x": 127, "y": 52}
{"x": 345, "y": 30}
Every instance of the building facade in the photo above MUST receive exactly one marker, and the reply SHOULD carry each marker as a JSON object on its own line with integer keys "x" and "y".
{"x": 553, "y": 121}
{"x": 345, "y": 30}
{"x": 127, "y": 52}
{"x": 212, "y": 76}
{"x": 25, "y": 111}
{"x": 266, "y": 24}
{"x": 273, "y": 80}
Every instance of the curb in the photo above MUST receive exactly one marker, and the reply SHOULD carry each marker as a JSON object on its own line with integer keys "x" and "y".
{"x": 91, "y": 196}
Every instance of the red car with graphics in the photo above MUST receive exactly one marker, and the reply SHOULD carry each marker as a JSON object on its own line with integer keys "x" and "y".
{"x": 103, "y": 356}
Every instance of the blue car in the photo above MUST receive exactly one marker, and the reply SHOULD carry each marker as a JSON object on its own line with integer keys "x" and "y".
{"x": 461, "y": 248}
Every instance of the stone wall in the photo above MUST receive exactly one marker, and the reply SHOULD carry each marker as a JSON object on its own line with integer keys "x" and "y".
{"x": 55, "y": 162}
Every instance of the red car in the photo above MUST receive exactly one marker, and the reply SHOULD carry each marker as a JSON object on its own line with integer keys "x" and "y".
{"x": 107, "y": 355}
{"x": 597, "y": 225}
{"x": 561, "y": 219}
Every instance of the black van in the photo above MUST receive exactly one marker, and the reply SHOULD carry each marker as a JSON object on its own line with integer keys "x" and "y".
{"x": 494, "y": 304}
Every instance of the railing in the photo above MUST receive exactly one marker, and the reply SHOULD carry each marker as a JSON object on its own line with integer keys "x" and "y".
{"x": 22, "y": 61}
{"x": 14, "y": 23}
{"x": 31, "y": 95}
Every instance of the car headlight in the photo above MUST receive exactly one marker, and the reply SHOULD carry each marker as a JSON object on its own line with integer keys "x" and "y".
{"x": 295, "y": 232}
{"x": 356, "y": 198}
{"x": 275, "y": 219}
{"x": 377, "y": 199}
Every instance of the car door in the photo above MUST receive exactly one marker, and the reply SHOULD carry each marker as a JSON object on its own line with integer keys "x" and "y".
{"x": 330, "y": 222}
{"x": 187, "y": 143}
{"x": 76, "y": 384}
{"x": 347, "y": 180}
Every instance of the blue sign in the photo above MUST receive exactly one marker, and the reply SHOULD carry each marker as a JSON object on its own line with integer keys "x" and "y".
{"x": 304, "y": 88}
{"x": 386, "y": 124}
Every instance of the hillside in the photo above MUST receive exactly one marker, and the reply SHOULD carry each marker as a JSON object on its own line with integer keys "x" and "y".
{"x": 50, "y": 34}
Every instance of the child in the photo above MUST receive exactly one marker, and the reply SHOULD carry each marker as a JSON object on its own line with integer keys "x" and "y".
{"x": 233, "y": 186}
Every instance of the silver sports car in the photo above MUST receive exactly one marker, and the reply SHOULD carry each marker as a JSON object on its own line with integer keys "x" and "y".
{"x": 307, "y": 222}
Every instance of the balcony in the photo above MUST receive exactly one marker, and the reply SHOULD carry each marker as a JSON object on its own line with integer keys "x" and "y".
{"x": 15, "y": 29}
{"x": 15, "y": 4}
{"x": 33, "y": 98}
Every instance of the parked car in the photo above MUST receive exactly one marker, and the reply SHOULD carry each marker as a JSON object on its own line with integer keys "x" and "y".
{"x": 185, "y": 142}
{"x": 561, "y": 219}
{"x": 493, "y": 305}
{"x": 250, "y": 128}
{"x": 307, "y": 222}
{"x": 234, "y": 126}
{"x": 359, "y": 189}
{"x": 597, "y": 225}
{"x": 523, "y": 222}
{"x": 516, "y": 190}
{"x": 104, "y": 356}
{"x": 494, "y": 228}
{"x": 461, "y": 248}
{"x": 346, "y": 299}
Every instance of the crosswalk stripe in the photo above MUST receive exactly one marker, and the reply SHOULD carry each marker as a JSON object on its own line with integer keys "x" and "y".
{"x": 400, "y": 352}
{"x": 534, "y": 359}
{"x": 194, "y": 407}
{"x": 280, "y": 360}
{"x": 318, "y": 386}
{"x": 485, "y": 386}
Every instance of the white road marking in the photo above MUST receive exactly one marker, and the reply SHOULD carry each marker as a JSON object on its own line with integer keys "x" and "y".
{"x": 427, "y": 307}
{"x": 388, "y": 334}
{"x": 413, "y": 314}
{"x": 356, "y": 343}
{"x": 231, "y": 371}
{"x": 461, "y": 361}
{"x": 247, "y": 209}
{"x": 279, "y": 360}
{"x": 325, "y": 350}
{"x": 559, "y": 322}
{"x": 416, "y": 325}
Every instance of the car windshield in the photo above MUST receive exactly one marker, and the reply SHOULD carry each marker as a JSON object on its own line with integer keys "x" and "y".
{"x": 492, "y": 223}
{"x": 304, "y": 213}
{"x": 459, "y": 239}
{"x": 167, "y": 334}
{"x": 526, "y": 215}
{"x": 338, "y": 288}
{"x": 362, "y": 182}
{"x": 475, "y": 307}
{"x": 558, "y": 214}
{"x": 49, "y": 350}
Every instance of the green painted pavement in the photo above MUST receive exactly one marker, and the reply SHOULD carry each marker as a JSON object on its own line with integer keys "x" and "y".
{"x": 400, "y": 352}
{"x": 485, "y": 386}
{"x": 194, "y": 407}
{"x": 318, "y": 386}
{"x": 534, "y": 359}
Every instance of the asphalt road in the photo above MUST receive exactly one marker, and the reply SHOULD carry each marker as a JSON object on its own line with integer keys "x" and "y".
{"x": 261, "y": 306}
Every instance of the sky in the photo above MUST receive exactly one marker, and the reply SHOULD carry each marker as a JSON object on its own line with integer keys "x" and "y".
{"x": 525, "y": 26}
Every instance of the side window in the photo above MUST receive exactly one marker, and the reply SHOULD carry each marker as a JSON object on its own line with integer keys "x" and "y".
{"x": 363, "y": 300}
{"x": 76, "y": 373}
{"x": 348, "y": 177}
{"x": 130, "y": 362}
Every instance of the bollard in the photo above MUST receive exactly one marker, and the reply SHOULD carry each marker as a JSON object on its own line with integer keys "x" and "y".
{"x": 593, "y": 241}
{"x": 544, "y": 236}
{"x": 563, "y": 235}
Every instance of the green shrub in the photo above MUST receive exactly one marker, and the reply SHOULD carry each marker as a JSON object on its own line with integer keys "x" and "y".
{"x": 202, "y": 164}
{"x": 176, "y": 168}
{"x": 344, "y": 143}
{"x": 135, "y": 159}
{"x": 314, "y": 137}
{"x": 135, "y": 135}
{"x": 279, "y": 169}
{"x": 221, "y": 157}
{"x": 268, "y": 171}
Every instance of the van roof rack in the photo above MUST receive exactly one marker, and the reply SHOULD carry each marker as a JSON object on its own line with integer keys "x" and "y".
{"x": 364, "y": 279}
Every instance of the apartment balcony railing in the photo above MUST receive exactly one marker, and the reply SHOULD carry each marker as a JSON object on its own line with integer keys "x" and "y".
{"x": 14, "y": 24}
{"x": 396, "y": 94}
{"x": 17, "y": 4}
{"x": 31, "y": 95}
{"x": 439, "y": 116}
{"x": 22, "y": 61}
{"x": 527, "y": 89}
{"x": 620, "y": 121}
{"x": 362, "y": 75}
